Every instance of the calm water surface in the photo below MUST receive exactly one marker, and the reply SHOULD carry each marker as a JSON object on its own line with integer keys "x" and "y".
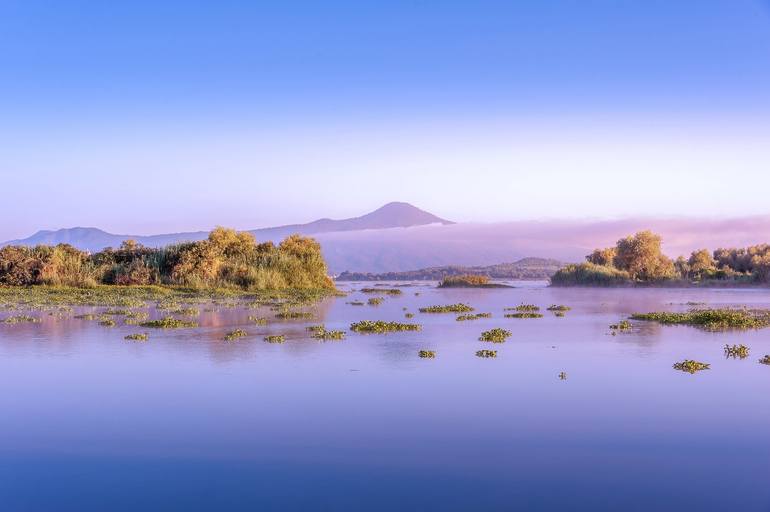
{"x": 186, "y": 421}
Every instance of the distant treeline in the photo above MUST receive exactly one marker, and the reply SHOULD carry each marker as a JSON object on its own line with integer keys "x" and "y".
{"x": 225, "y": 259}
{"x": 638, "y": 259}
{"x": 527, "y": 268}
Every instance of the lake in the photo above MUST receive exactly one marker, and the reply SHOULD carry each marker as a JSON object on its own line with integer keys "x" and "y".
{"x": 187, "y": 421}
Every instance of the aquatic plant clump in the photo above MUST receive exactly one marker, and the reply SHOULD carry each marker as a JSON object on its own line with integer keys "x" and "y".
{"x": 293, "y": 315}
{"x": 234, "y": 335}
{"x": 137, "y": 337}
{"x": 711, "y": 319}
{"x": 463, "y": 318}
{"x": 451, "y": 308}
{"x": 18, "y": 319}
{"x": 486, "y": 353}
{"x": 387, "y": 291}
{"x": 524, "y": 307}
{"x": 691, "y": 366}
{"x": 496, "y": 335}
{"x": 524, "y": 314}
{"x": 464, "y": 281}
{"x": 275, "y": 338}
{"x": 737, "y": 351}
{"x": 169, "y": 322}
{"x": 380, "y": 326}
{"x": 427, "y": 354}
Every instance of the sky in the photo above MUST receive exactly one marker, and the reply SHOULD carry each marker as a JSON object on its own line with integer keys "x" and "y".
{"x": 150, "y": 117}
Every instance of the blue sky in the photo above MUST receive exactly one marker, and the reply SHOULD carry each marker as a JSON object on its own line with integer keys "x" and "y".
{"x": 147, "y": 117}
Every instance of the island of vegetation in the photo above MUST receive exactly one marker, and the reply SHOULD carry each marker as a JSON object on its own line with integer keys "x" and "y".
{"x": 638, "y": 260}
{"x": 469, "y": 281}
{"x": 225, "y": 260}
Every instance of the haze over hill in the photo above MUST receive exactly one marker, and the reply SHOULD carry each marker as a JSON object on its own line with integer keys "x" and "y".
{"x": 400, "y": 237}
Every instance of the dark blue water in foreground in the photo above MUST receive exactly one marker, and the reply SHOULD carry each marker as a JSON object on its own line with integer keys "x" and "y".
{"x": 186, "y": 421}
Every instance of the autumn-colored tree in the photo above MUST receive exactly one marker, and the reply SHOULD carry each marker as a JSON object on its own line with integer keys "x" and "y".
{"x": 604, "y": 257}
{"x": 640, "y": 255}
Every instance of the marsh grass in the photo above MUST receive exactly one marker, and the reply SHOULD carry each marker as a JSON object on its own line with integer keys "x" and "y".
{"x": 380, "y": 326}
{"x": 387, "y": 291}
{"x": 691, "y": 366}
{"x": 463, "y": 318}
{"x": 451, "y": 308}
{"x": 524, "y": 314}
{"x": 711, "y": 319}
{"x": 19, "y": 319}
{"x": 496, "y": 335}
{"x": 169, "y": 322}
{"x": 524, "y": 307}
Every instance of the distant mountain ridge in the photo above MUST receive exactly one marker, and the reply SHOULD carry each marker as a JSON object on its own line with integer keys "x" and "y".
{"x": 525, "y": 268}
{"x": 391, "y": 215}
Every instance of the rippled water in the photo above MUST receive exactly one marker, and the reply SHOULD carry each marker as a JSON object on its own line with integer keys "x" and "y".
{"x": 188, "y": 421}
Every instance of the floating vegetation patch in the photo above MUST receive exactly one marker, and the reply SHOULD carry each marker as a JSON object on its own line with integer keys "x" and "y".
{"x": 234, "y": 335}
{"x": 388, "y": 291}
{"x": 109, "y": 322}
{"x": 137, "y": 337}
{"x": 427, "y": 354}
{"x": 524, "y": 307}
{"x": 691, "y": 366}
{"x": 496, "y": 335}
{"x": 558, "y": 307}
{"x": 463, "y": 318}
{"x": 712, "y": 319}
{"x": 486, "y": 353}
{"x": 275, "y": 338}
{"x": 257, "y": 320}
{"x": 19, "y": 319}
{"x": 169, "y": 322}
{"x": 380, "y": 326}
{"x": 524, "y": 314}
{"x": 765, "y": 360}
{"x": 737, "y": 351}
{"x": 451, "y": 308}
{"x": 294, "y": 315}
{"x": 375, "y": 301}
{"x": 623, "y": 325}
